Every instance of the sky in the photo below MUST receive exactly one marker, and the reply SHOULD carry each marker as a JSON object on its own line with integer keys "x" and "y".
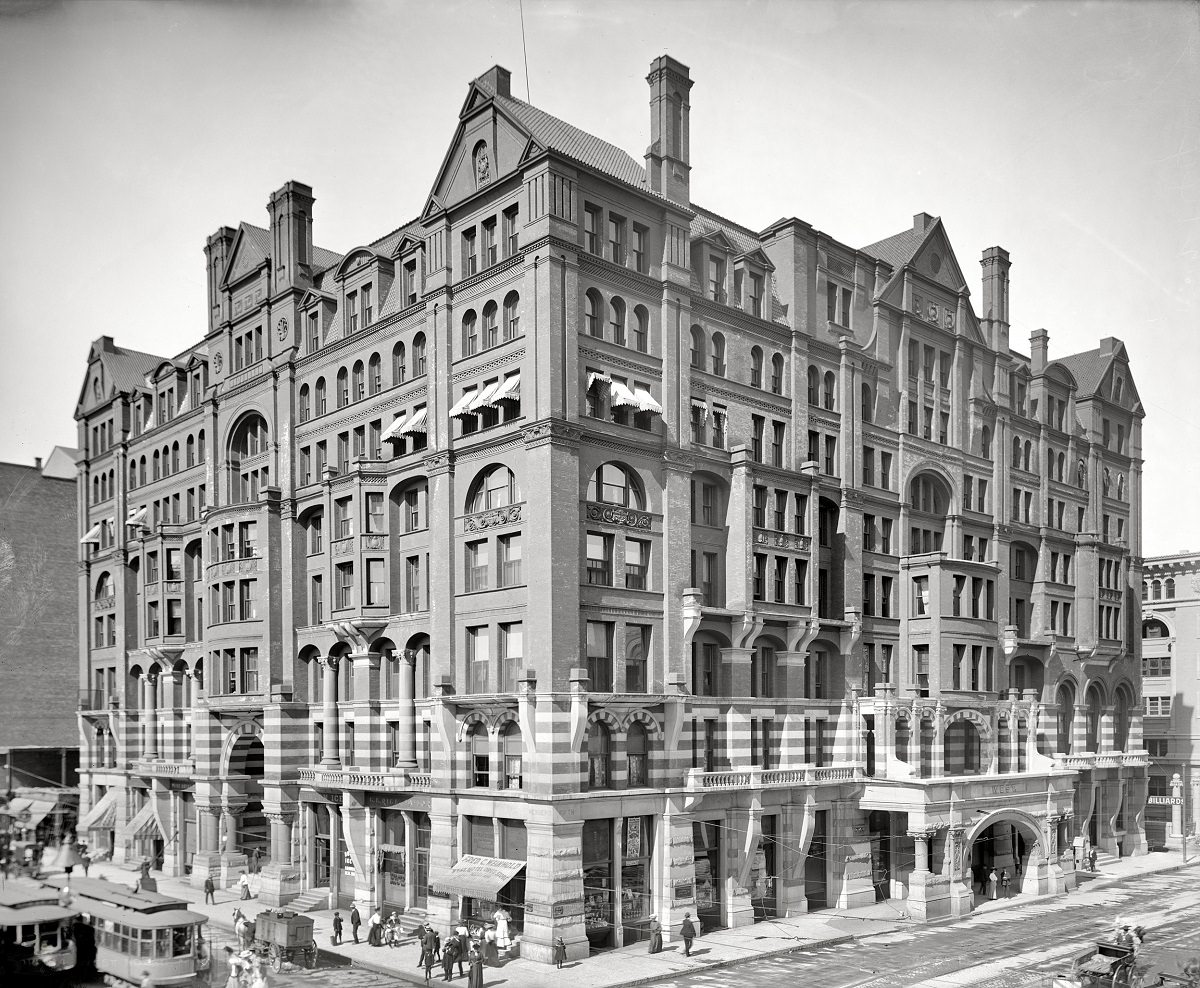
{"x": 1067, "y": 133}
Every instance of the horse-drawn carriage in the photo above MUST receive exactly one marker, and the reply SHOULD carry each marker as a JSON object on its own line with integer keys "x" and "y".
{"x": 279, "y": 935}
{"x": 1115, "y": 964}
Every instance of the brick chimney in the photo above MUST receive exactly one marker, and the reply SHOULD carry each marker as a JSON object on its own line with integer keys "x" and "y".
{"x": 498, "y": 79}
{"x": 995, "y": 265}
{"x": 291, "y": 236}
{"x": 1039, "y": 347}
{"x": 668, "y": 167}
{"x": 216, "y": 250}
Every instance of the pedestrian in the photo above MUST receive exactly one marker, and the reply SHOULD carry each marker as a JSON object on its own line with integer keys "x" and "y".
{"x": 491, "y": 955}
{"x": 86, "y": 862}
{"x": 1092, "y": 858}
{"x": 502, "y": 917}
{"x": 254, "y": 858}
{"x": 460, "y": 940}
{"x": 475, "y": 958}
{"x": 993, "y": 878}
{"x": 210, "y": 891}
{"x": 375, "y": 929}
{"x": 244, "y": 882}
{"x": 428, "y": 955}
{"x": 236, "y": 967}
{"x": 688, "y": 931}
{"x": 449, "y": 956}
{"x": 429, "y": 946}
{"x": 337, "y": 928}
{"x": 1004, "y": 881}
{"x": 560, "y": 951}
{"x": 355, "y": 921}
{"x": 655, "y": 936}
{"x": 147, "y": 980}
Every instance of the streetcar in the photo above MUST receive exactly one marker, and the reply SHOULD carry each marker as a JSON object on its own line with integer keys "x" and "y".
{"x": 36, "y": 939}
{"x": 135, "y": 932}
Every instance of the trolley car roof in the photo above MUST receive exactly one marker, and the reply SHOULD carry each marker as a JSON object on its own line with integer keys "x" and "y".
{"x": 99, "y": 890}
{"x": 34, "y": 914}
{"x": 143, "y": 921}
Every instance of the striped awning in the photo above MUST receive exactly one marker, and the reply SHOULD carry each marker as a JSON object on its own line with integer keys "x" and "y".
{"x": 486, "y": 397}
{"x": 145, "y": 823}
{"x": 702, "y": 407}
{"x": 137, "y": 516}
{"x": 415, "y": 423}
{"x": 393, "y": 431}
{"x": 478, "y": 876}
{"x": 93, "y": 535}
{"x": 646, "y": 401}
{"x": 102, "y": 816}
{"x": 620, "y": 396}
{"x": 595, "y": 377}
{"x": 509, "y": 390}
{"x": 463, "y": 405}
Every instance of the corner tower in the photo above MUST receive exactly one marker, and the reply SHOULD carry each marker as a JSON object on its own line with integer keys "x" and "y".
{"x": 668, "y": 165}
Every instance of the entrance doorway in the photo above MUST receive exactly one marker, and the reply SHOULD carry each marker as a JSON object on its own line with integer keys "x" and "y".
{"x": 1001, "y": 848}
{"x": 816, "y": 884}
{"x": 247, "y": 759}
{"x": 879, "y": 824}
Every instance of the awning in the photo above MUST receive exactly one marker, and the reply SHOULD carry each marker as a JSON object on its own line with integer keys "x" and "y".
{"x": 393, "y": 430}
{"x": 463, "y": 405}
{"x": 144, "y": 823}
{"x": 646, "y": 402}
{"x": 509, "y": 390}
{"x": 93, "y": 535}
{"x": 620, "y": 396}
{"x": 137, "y": 516}
{"x": 486, "y": 397}
{"x": 595, "y": 377}
{"x": 703, "y": 408}
{"x": 478, "y": 877}
{"x": 38, "y": 811}
{"x": 416, "y": 423}
{"x": 103, "y": 815}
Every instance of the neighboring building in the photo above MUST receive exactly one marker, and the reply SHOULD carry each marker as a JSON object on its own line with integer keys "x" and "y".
{"x": 39, "y": 652}
{"x": 1171, "y": 690}
{"x": 574, "y": 547}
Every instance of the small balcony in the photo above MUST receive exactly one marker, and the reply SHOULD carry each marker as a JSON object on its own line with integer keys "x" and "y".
{"x": 770, "y": 778}
{"x": 162, "y": 769}
{"x": 397, "y": 780}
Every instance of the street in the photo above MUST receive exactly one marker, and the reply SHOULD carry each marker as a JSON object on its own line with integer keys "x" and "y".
{"x": 1022, "y": 946}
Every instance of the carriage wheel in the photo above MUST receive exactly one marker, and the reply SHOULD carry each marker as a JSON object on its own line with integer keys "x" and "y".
{"x": 310, "y": 956}
{"x": 274, "y": 957}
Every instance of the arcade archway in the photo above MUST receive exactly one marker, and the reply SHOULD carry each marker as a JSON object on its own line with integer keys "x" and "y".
{"x": 1006, "y": 844}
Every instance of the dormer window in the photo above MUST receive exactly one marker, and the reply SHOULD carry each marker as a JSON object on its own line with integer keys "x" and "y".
{"x": 839, "y": 301}
{"x": 616, "y": 238}
{"x": 716, "y": 278}
{"x": 410, "y": 282}
{"x": 367, "y": 309}
{"x": 489, "y": 242}
{"x": 314, "y": 331}
{"x": 470, "y": 259}
{"x": 247, "y": 348}
{"x": 593, "y": 220}
{"x": 510, "y": 231}
{"x": 640, "y": 260}
{"x": 352, "y": 312}
{"x": 754, "y": 295}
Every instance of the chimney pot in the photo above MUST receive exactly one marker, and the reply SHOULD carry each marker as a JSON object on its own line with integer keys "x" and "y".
{"x": 499, "y": 79}
{"x": 37, "y": 462}
{"x": 922, "y": 222}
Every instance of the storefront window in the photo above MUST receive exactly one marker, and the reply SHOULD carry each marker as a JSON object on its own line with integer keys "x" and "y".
{"x": 598, "y": 883}
{"x": 706, "y": 839}
{"x": 637, "y": 844}
{"x": 763, "y": 874}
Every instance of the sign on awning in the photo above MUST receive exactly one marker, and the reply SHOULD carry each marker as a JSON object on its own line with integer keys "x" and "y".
{"x": 478, "y": 877}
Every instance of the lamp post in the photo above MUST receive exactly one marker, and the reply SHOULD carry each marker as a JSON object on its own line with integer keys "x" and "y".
{"x": 1178, "y": 821}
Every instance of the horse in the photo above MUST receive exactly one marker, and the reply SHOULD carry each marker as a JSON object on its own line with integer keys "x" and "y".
{"x": 243, "y": 928}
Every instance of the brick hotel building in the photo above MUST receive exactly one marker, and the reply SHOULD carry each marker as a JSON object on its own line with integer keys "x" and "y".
{"x": 575, "y": 548}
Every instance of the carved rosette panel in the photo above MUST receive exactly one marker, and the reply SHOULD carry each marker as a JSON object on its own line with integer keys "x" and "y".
{"x": 493, "y": 518}
{"x": 611, "y": 514}
{"x": 782, "y": 540}
{"x": 342, "y": 547}
{"x": 234, "y": 566}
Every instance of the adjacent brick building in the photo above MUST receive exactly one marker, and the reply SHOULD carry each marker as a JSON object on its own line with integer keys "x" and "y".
{"x": 39, "y": 653}
{"x": 1171, "y": 693}
{"x": 574, "y": 547}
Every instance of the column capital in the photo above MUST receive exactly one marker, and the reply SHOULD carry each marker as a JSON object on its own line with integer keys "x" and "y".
{"x": 923, "y": 834}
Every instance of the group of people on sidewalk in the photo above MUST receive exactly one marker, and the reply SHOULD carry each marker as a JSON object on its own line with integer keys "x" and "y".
{"x": 477, "y": 951}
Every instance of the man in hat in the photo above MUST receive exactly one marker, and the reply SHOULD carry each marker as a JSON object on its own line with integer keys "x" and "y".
{"x": 687, "y": 930}
{"x": 355, "y": 921}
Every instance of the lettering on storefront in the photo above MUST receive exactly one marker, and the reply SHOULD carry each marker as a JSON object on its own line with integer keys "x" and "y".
{"x": 384, "y": 800}
{"x": 683, "y": 892}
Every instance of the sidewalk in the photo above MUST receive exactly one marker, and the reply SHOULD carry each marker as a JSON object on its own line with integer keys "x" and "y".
{"x": 632, "y": 965}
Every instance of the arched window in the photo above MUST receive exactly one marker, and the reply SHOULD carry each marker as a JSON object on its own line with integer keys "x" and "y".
{"x": 322, "y": 407}
{"x": 359, "y": 391}
{"x": 1060, "y": 467}
{"x": 830, "y": 388}
{"x": 615, "y": 484}
{"x": 1156, "y": 590}
{"x": 191, "y": 451}
{"x": 132, "y": 474}
{"x": 200, "y": 447}
{"x": 491, "y": 329}
{"x": 599, "y": 756}
{"x": 496, "y": 487}
{"x": 636, "y": 755}
{"x": 142, "y": 470}
{"x": 756, "y": 367}
{"x": 1016, "y": 451}
{"x": 814, "y": 386}
{"x": 511, "y": 746}
{"x": 1106, "y": 480}
{"x": 616, "y": 319}
{"x": 1169, "y": 586}
{"x": 718, "y": 354}
{"x": 399, "y": 368}
{"x": 777, "y": 374}
{"x": 157, "y": 466}
{"x": 697, "y": 354}
{"x": 512, "y": 316}
{"x": 249, "y": 467}
{"x": 762, "y": 671}
{"x": 1120, "y": 487}
{"x": 418, "y": 355}
{"x": 985, "y": 443}
{"x": 868, "y": 404}
{"x": 1065, "y": 701}
{"x": 592, "y": 304}
{"x": 481, "y": 775}
{"x": 641, "y": 329}
{"x": 470, "y": 333}
{"x": 1081, "y": 475}
{"x": 166, "y": 463}
{"x": 175, "y": 456}
{"x": 1026, "y": 458}
{"x": 343, "y": 388}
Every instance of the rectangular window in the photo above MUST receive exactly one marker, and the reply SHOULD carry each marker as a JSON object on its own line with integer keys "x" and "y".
{"x": 470, "y": 259}
{"x": 152, "y": 630}
{"x": 249, "y": 670}
{"x": 343, "y": 517}
{"x": 920, "y": 595}
{"x": 600, "y": 656}
{"x": 374, "y": 505}
{"x": 720, "y": 417}
{"x": 800, "y": 581}
{"x": 716, "y": 278}
{"x": 760, "y": 576}
{"x": 409, "y": 282}
{"x": 344, "y": 575}
{"x": 593, "y": 219}
{"x": 511, "y": 654}
{"x": 830, "y": 465}
{"x": 367, "y": 308}
{"x": 343, "y": 452}
{"x": 885, "y": 596}
{"x": 509, "y": 231}
{"x": 637, "y": 564}
{"x": 760, "y": 506}
{"x": 868, "y": 533}
{"x": 640, "y": 258}
{"x": 316, "y": 613}
{"x": 616, "y": 238}
{"x": 479, "y": 659}
{"x": 777, "y": 436}
{"x": 476, "y": 565}
{"x": 247, "y": 605}
{"x": 757, "y": 426}
{"x": 412, "y": 584}
{"x": 376, "y": 582}
{"x": 508, "y": 548}
{"x": 490, "y": 249}
{"x": 885, "y": 536}
{"x": 637, "y": 651}
{"x": 599, "y": 559}
{"x": 885, "y": 471}
{"x": 868, "y": 466}
{"x": 868, "y": 601}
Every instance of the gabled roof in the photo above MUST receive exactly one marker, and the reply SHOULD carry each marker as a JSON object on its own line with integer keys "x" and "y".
{"x": 127, "y": 370}
{"x": 558, "y": 135}
{"x": 387, "y": 244}
{"x": 1088, "y": 369}
{"x": 252, "y": 246}
{"x": 899, "y": 249}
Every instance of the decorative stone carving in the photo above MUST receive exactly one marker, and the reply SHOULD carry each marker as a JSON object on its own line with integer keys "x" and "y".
{"x": 282, "y": 328}
{"x": 218, "y": 360}
{"x": 782, "y": 540}
{"x": 492, "y": 518}
{"x": 612, "y": 514}
{"x": 483, "y": 164}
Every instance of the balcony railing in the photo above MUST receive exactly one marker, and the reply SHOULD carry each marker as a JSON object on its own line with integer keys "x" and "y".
{"x": 92, "y": 700}
{"x": 759, "y": 778}
{"x": 394, "y": 781}
{"x": 170, "y": 770}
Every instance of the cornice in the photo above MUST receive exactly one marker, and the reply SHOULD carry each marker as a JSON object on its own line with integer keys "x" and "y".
{"x": 782, "y": 410}
{"x": 653, "y": 367}
{"x": 358, "y": 411}
{"x": 500, "y": 361}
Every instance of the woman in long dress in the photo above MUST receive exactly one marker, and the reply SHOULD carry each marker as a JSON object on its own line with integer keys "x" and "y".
{"x": 475, "y": 959}
{"x": 491, "y": 956}
{"x": 655, "y": 935}
{"x": 502, "y": 917}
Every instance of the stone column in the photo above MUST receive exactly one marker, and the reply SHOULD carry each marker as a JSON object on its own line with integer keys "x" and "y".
{"x": 206, "y": 862}
{"x": 928, "y": 894}
{"x": 406, "y": 754}
{"x": 958, "y": 868}
{"x": 1104, "y": 740}
{"x": 233, "y": 861}
{"x": 938, "y": 755}
{"x": 554, "y": 884}
{"x": 1136, "y": 741}
{"x": 280, "y": 878}
{"x": 149, "y": 715}
{"x": 329, "y": 710}
{"x": 1079, "y": 729}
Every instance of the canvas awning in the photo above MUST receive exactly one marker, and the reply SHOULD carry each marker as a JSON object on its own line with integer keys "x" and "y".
{"x": 137, "y": 516}
{"x": 463, "y": 405}
{"x": 38, "y": 811}
{"x": 509, "y": 390}
{"x": 620, "y": 396}
{"x": 393, "y": 431}
{"x": 703, "y": 407}
{"x": 478, "y": 877}
{"x": 646, "y": 401}
{"x": 485, "y": 397}
{"x": 415, "y": 423}
{"x": 595, "y": 377}
{"x": 144, "y": 823}
{"x": 103, "y": 815}
{"x": 93, "y": 535}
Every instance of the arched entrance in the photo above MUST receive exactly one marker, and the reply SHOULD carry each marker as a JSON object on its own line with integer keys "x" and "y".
{"x": 1003, "y": 843}
{"x": 246, "y": 759}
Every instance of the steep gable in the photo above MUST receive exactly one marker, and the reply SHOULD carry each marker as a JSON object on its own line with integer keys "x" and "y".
{"x": 251, "y": 248}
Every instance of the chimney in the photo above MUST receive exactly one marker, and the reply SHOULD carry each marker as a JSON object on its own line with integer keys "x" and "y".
{"x": 291, "y": 236}
{"x": 498, "y": 79}
{"x": 668, "y": 168}
{"x": 216, "y": 250}
{"x": 922, "y": 222}
{"x": 995, "y": 265}
{"x": 1039, "y": 346}
{"x": 37, "y": 463}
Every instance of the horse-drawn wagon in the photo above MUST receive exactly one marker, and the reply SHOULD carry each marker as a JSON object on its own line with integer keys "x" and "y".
{"x": 280, "y": 935}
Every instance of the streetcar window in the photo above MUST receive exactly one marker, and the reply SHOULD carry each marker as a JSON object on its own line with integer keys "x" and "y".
{"x": 181, "y": 941}
{"x": 162, "y": 943}
{"x": 145, "y": 943}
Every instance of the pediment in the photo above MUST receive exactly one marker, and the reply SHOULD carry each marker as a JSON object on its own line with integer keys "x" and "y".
{"x": 245, "y": 257}
{"x": 407, "y": 244}
{"x": 93, "y": 391}
{"x": 355, "y": 259}
{"x": 164, "y": 370}
{"x": 488, "y": 144}
{"x": 935, "y": 260}
{"x": 717, "y": 239}
{"x": 757, "y": 256}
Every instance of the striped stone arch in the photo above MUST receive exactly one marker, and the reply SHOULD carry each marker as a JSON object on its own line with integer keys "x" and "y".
{"x": 646, "y": 719}
{"x": 980, "y": 723}
{"x": 469, "y": 721}
{"x": 504, "y": 718}
{"x": 609, "y": 720}
{"x": 1101, "y": 686}
{"x": 247, "y": 727}
{"x": 904, "y": 714}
